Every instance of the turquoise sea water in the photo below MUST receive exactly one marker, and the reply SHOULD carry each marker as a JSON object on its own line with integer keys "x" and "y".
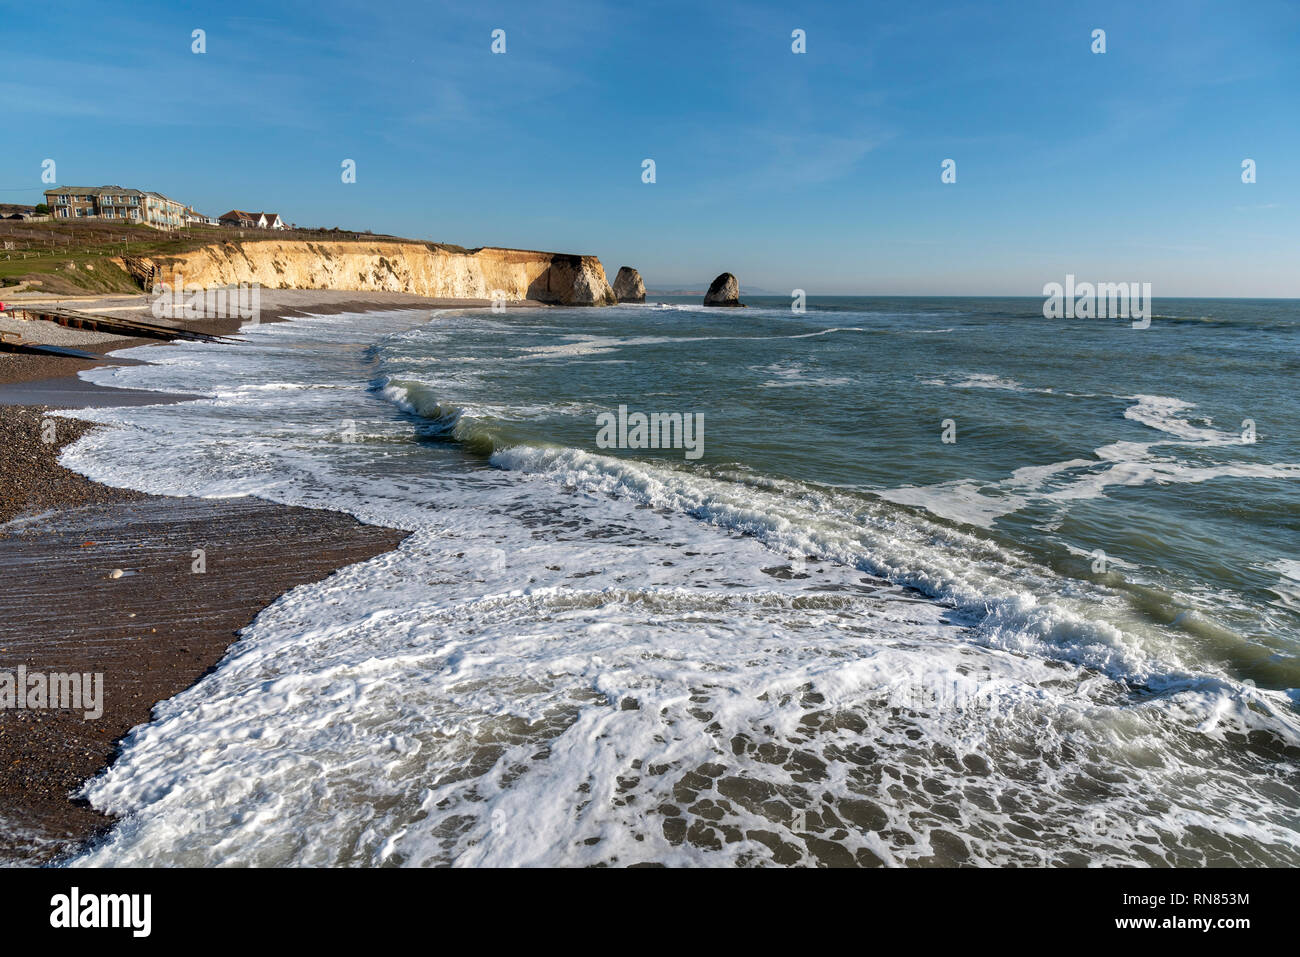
{"x": 1068, "y": 634}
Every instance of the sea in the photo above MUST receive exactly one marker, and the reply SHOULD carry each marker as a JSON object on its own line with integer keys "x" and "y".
{"x": 880, "y": 582}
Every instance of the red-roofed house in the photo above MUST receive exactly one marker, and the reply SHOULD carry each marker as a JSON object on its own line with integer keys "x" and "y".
{"x": 237, "y": 217}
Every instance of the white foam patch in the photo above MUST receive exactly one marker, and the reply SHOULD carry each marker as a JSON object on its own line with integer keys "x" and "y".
{"x": 1165, "y": 414}
{"x": 1001, "y": 592}
{"x": 982, "y": 380}
{"x": 1287, "y": 588}
{"x": 1117, "y": 465}
{"x": 796, "y": 375}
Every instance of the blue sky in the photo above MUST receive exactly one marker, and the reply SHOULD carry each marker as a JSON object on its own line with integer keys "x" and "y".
{"x": 819, "y": 171}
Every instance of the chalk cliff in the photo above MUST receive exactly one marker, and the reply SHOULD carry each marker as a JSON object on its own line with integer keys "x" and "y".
{"x": 628, "y": 286}
{"x": 425, "y": 269}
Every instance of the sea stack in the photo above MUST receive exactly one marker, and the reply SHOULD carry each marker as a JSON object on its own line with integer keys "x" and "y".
{"x": 628, "y": 286}
{"x": 723, "y": 291}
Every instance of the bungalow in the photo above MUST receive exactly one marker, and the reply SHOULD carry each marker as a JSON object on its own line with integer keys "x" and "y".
{"x": 237, "y": 217}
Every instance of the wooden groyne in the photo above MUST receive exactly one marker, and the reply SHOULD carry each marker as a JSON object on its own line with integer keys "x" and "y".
{"x": 12, "y": 342}
{"x": 115, "y": 325}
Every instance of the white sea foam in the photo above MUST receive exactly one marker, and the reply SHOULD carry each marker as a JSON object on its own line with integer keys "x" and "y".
{"x": 999, "y": 591}
{"x": 584, "y": 345}
{"x": 1116, "y": 465}
{"x": 797, "y": 376}
{"x": 1166, "y": 414}
{"x": 1287, "y": 588}
{"x": 983, "y": 380}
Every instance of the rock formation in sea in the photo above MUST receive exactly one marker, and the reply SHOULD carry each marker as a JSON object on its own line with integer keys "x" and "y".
{"x": 723, "y": 291}
{"x": 628, "y": 286}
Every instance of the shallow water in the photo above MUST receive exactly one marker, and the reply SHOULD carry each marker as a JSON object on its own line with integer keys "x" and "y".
{"x": 1070, "y": 636}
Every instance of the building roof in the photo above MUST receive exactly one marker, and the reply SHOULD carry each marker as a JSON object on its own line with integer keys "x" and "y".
{"x": 250, "y": 217}
{"x": 118, "y": 190}
{"x": 96, "y": 189}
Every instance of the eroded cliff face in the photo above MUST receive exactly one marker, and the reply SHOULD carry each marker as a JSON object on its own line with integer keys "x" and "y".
{"x": 419, "y": 268}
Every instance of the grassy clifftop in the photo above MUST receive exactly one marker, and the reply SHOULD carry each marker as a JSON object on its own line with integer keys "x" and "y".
{"x": 69, "y": 258}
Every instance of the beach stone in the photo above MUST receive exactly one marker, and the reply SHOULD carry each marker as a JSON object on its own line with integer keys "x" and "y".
{"x": 628, "y": 286}
{"x": 116, "y": 573}
{"x": 723, "y": 291}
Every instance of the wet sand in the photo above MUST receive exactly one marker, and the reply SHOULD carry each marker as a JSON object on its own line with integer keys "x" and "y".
{"x": 151, "y": 633}
{"x": 156, "y": 629}
{"x": 74, "y": 393}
